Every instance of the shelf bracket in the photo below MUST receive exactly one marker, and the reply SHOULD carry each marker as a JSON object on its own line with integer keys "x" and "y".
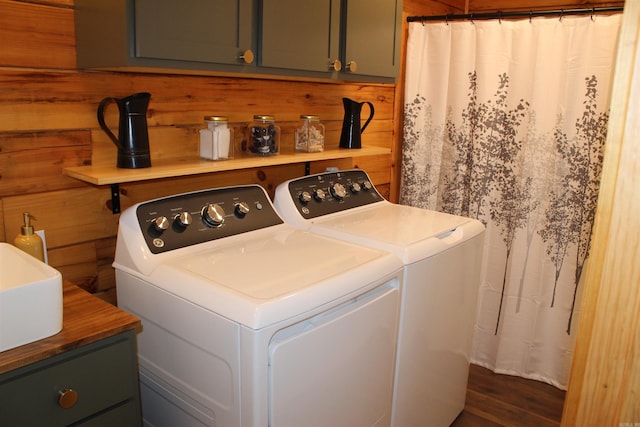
{"x": 115, "y": 198}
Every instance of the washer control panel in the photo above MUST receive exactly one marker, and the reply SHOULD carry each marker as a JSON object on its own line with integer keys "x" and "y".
{"x": 191, "y": 218}
{"x": 330, "y": 192}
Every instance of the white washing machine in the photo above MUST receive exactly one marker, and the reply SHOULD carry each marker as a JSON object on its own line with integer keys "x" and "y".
{"x": 247, "y": 321}
{"x": 442, "y": 256}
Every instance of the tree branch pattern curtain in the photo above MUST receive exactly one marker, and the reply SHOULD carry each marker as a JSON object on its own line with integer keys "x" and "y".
{"x": 505, "y": 121}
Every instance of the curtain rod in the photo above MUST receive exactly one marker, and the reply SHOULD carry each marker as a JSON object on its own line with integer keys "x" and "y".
{"x": 502, "y": 15}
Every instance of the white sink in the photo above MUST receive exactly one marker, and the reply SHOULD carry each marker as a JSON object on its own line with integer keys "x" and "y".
{"x": 30, "y": 298}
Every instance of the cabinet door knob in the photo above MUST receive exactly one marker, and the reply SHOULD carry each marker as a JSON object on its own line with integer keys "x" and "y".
{"x": 335, "y": 65}
{"x": 67, "y": 398}
{"x": 246, "y": 56}
{"x": 352, "y": 66}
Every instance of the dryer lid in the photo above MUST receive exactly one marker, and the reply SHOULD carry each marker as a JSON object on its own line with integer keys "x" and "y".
{"x": 409, "y": 232}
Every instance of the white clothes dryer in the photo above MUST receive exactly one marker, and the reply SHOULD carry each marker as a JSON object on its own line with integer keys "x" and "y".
{"x": 249, "y": 322}
{"x": 442, "y": 256}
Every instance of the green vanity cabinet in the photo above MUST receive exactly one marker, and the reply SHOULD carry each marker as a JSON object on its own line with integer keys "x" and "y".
{"x": 349, "y": 40}
{"x": 338, "y": 39}
{"x": 85, "y": 375}
{"x": 187, "y": 34}
{"x": 99, "y": 381}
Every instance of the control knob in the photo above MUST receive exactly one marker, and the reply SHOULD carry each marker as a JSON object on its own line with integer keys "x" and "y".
{"x": 367, "y": 185}
{"x": 213, "y": 215}
{"x": 241, "y": 209}
{"x": 338, "y": 191}
{"x": 183, "y": 219}
{"x": 304, "y": 197}
{"x": 355, "y": 187}
{"x": 161, "y": 223}
{"x": 319, "y": 194}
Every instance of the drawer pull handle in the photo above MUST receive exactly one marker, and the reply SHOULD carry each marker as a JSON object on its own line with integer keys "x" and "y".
{"x": 67, "y": 398}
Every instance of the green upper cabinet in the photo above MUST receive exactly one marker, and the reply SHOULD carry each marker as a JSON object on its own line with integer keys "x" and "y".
{"x": 187, "y": 34}
{"x": 300, "y": 35}
{"x": 371, "y": 37}
{"x": 348, "y": 39}
{"x": 215, "y": 31}
{"x": 339, "y": 39}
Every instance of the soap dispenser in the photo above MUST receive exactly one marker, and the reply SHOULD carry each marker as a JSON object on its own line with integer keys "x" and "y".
{"x": 28, "y": 241}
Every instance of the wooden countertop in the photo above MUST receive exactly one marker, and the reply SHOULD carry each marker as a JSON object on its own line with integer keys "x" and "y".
{"x": 86, "y": 319}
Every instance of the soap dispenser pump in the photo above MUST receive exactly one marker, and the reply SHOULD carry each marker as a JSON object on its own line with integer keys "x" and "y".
{"x": 28, "y": 240}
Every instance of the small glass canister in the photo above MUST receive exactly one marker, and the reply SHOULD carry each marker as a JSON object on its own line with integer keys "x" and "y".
{"x": 216, "y": 141}
{"x": 263, "y": 136}
{"x": 310, "y": 134}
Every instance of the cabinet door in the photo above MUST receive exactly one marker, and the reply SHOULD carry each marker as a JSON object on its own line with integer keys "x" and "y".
{"x": 372, "y": 37}
{"x": 212, "y": 31}
{"x": 300, "y": 35}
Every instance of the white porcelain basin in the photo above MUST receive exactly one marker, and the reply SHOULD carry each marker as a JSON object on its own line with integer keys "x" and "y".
{"x": 30, "y": 298}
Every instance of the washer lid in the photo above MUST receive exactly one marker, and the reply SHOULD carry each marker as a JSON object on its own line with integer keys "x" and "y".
{"x": 409, "y": 232}
{"x": 263, "y": 278}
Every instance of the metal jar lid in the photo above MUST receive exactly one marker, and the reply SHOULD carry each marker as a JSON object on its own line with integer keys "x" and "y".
{"x": 216, "y": 118}
{"x": 312, "y": 117}
{"x": 264, "y": 117}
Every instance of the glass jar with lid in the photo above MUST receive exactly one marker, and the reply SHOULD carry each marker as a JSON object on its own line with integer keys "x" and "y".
{"x": 216, "y": 141}
{"x": 263, "y": 136}
{"x": 309, "y": 134}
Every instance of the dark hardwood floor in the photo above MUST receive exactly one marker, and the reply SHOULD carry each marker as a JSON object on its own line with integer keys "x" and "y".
{"x": 501, "y": 400}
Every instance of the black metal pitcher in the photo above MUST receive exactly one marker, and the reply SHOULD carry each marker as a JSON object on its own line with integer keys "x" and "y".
{"x": 133, "y": 138}
{"x": 351, "y": 129}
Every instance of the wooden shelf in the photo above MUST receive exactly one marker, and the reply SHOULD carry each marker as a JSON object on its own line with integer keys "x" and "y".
{"x": 110, "y": 174}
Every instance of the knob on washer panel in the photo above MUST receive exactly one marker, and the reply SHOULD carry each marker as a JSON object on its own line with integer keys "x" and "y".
{"x": 183, "y": 219}
{"x": 304, "y": 197}
{"x": 161, "y": 223}
{"x": 338, "y": 191}
{"x": 319, "y": 194}
{"x": 213, "y": 215}
{"x": 241, "y": 209}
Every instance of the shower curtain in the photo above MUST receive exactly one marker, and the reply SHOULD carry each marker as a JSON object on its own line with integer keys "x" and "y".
{"x": 505, "y": 121}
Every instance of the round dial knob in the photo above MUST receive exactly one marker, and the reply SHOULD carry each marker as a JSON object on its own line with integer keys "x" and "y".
{"x": 304, "y": 197}
{"x": 213, "y": 215}
{"x": 355, "y": 187}
{"x": 183, "y": 219}
{"x": 367, "y": 185}
{"x": 161, "y": 223}
{"x": 241, "y": 209}
{"x": 338, "y": 191}
{"x": 319, "y": 194}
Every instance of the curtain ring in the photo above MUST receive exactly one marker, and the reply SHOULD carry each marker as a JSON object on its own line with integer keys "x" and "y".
{"x": 561, "y": 14}
{"x": 471, "y": 19}
{"x": 593, "y": 12}
{"x": 530, "y": 16}
{"x": 499, "y": 17}
{"x": 446, "y": 20}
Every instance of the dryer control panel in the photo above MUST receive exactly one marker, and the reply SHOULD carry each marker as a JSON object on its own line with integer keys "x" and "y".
{"x": 191, "y": 218}
{"x": 330, "y": 192}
